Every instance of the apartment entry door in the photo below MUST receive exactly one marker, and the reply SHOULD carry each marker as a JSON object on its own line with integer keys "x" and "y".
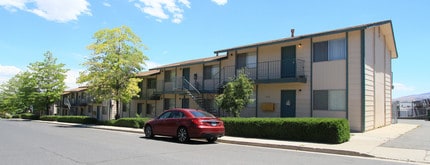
{"x": 288, "y": 61}
{"x": 186, "y": 76}
{"x": 288, "y": 103}
{"x": 185, "y": 103}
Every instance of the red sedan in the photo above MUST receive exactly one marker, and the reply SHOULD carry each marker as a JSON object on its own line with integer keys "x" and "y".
{"x": 184, "y": 124}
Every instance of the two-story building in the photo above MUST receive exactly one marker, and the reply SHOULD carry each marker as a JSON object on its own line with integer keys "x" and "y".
{"x": 79, "y": 103}
{"x": 343, "y": 73}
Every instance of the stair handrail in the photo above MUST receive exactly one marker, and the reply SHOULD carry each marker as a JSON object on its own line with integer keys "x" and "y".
{"x": 191, "y": 85}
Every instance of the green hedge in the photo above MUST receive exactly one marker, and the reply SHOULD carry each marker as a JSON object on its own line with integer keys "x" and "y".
{"x": 128, "y": 122}
{"x": 49, "y": 118}
{"x": 77, "y": 119}
{"x": 321, "y": 130}
{"x": 29, "y": 116}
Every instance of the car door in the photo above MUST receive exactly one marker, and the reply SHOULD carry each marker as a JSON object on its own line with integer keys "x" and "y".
{"x": 159, "y": 126}
{"x": 173, "y": 123}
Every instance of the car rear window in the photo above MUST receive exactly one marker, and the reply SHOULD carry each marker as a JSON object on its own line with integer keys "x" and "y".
{"x": 201, "y": 114}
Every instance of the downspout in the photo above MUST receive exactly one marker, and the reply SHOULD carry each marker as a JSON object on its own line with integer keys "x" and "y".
{"x": 347, "y": 78}
{"x": 256, "y": 86}
{"x": 310, "y": 77}
{"x": 362, "y": 45}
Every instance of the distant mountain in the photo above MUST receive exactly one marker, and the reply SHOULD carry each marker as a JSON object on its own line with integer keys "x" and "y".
{"x": 413, "y": 97}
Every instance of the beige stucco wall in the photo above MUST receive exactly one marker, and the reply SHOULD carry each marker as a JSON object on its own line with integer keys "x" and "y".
{"x": 329, "y": 75}
{"x": 271, "y": 93}
{"x": 378, "y": 80}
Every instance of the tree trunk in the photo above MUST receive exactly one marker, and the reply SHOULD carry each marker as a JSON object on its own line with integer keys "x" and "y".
{"x": 117, "y": 116}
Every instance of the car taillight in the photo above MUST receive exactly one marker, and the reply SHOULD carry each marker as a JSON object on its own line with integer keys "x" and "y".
{"x": 196, "y": 121}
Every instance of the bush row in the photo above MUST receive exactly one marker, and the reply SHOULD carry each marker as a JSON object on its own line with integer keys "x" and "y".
{"x": 70, "y": 119}
{"x": 29, "y": 116}
{"x": 122, "y": 122}
{"x": 321, "y": 130}
{"x": 127, "y": 122}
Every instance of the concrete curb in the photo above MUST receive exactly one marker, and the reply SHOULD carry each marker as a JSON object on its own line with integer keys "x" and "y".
{"x": 298, "y": 148}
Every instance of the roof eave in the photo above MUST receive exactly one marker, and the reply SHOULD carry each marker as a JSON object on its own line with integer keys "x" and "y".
{"x": 359, "y": 27}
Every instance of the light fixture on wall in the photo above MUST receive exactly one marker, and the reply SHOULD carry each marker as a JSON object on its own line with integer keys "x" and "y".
{"x": 300, "y": 45}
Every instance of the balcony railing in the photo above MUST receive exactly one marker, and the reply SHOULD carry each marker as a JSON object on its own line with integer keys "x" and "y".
{"x": 270, "y": 71}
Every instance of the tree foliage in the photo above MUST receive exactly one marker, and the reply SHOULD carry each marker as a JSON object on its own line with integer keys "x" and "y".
{"x": 48, "y": 77}
{"x": 39, "y": 87}
{"x": 115, "y": 60}
{"x": 236, "y": 94}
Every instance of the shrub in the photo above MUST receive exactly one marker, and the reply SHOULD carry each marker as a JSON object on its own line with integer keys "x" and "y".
{"x": 130, "y": 122}
{"x": 77, "y": 119}
{"x": 16, "y": 116}
{"x": 323, "y": 130}
{"x": 49, "y": 118}
{"x": 29, "y": 116}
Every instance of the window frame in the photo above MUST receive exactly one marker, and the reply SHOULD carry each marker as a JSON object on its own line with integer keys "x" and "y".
{"x": 326, "y": 102}
{"x": 323, "y": 50}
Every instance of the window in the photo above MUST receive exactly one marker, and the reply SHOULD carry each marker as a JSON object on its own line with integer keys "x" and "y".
{"x": 246, "y": 60}
{"x": 169, "y": 75}
{"x": 169, "y": 103}
{"x": 165, "y": 115}
{"x": 201, "y": 114}
{"x": 139, "y": 108}
{"x": 149, "y": 109}
{"x": 151, "y": 83}
{"x": 90, "y": 109}
{"x": 209, "y": 72}
{"x": 125, "y": 107}
{"x": 177, "y": 115}
{"x": 329, "y": 100}
{"x": 104, "y": 110}
{"x": 329, "y": 50}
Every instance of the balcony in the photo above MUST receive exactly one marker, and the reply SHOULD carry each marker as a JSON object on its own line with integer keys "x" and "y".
{"x": 269, "y": 72}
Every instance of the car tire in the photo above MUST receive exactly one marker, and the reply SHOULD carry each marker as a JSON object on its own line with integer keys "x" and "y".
{"x": 182, "y": 135}
{"x": 211, "y": 139}
{"x": 148, "y": 131}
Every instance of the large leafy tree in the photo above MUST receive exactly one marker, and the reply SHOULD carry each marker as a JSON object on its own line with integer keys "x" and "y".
{"x": 49, "y": 78}
{"x": 115, "y": 60}
{"x": 19, "y": 93}
{"x": 236, "y": 94}
{"x": 8, "y": 99}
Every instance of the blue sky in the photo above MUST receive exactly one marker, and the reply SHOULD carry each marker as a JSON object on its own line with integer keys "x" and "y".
{"x": 178, "y": 30}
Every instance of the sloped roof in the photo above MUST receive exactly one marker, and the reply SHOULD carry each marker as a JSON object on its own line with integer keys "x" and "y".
{"x": 386, "y": 26}
{"x": 148, "y": 73}
{"x": 190, "y": 62}
{"x": 75, "y": 90}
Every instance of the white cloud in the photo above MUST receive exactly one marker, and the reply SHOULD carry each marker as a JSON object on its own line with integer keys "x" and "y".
{"x": 403, "y": 88}
{"x": 52, "y": 10}
{"x": 220, "y": 2}
{"x": 107, "y": 4}
{"x": 164, "y": 9}
{"x": 151, "y": 64}
{"x": 7, "y": 72}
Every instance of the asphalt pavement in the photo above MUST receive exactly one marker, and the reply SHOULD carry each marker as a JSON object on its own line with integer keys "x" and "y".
{"x": 407, "y": 141}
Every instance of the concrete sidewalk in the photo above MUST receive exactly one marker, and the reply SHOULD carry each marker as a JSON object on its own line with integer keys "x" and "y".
{"x": 368, "y": 144}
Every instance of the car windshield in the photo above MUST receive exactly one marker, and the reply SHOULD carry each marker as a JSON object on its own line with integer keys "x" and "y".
{"x": 199, "y": 114}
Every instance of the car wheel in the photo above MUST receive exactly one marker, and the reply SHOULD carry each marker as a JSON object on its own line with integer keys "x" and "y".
{"x": 148, "y": 131}
{"x": 182, "y": 135}
{"x": 211, "y": 139}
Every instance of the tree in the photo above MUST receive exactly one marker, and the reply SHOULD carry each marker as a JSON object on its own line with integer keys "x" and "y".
{"x": 111, "y": 70}
{"x": 49, "y": 78}
{"x": 18, "y": 93}
{"x": 236, "y": 95}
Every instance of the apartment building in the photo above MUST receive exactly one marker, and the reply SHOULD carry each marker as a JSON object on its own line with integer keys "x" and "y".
{"x": 78, "y": 102}
{"x": 343, "y": 73}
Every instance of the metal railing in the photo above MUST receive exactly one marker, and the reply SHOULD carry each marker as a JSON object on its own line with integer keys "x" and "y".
{"x": 267, "y": 70}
